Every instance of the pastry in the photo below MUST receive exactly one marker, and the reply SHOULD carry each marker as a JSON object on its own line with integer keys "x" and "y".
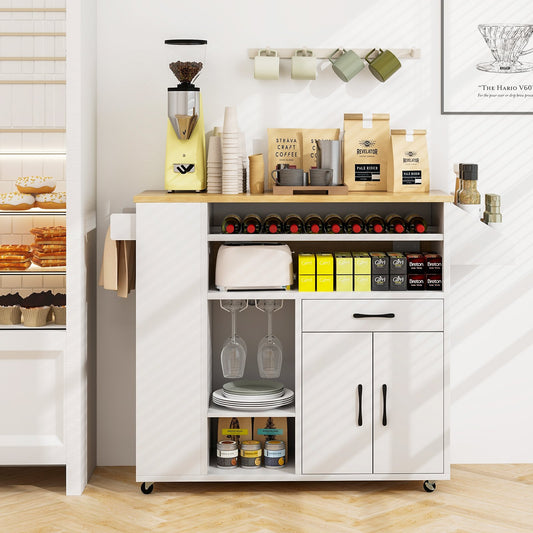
{"x": 16, "y": 201}
{"x": 49, "y": 232}
{"x": 60, "y": 310}
{"x": 51, "y": 200}
{"x": 55, "y": 241}
{"x": 10, "y": 265}
{"x": 49, "y": 248}
{"x": 49, "y": 262}
{"x": 35, "y": 184}
{"x": 10, "y": 309}
{"x": 14, "y": 248}
{"x": 14, "y": 258}
{"x": 49, "y": 255}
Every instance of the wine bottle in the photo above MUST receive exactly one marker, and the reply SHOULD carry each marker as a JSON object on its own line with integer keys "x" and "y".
{"x": 232, "y": 224}
{"x": 415, "y": 224}
{"x": 313, "y": 224}
{"x": 333, "y": 224}
{"x": 374, "y": 223}
{"x": 394, "y": 223}
{"x": 354, "y": 224}
{"x": 252, "y": 224}
{"x": 273, "y": 223}
{"x": 293, "y": 224}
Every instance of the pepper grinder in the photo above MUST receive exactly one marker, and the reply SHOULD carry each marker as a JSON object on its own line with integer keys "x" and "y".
{"x": 492, "y": 216}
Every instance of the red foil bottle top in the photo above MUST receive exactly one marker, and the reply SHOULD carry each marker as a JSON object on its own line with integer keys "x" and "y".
{"x": 314, "y": 228}
{"x": 272, "y": 228}
{"x": 378, "y": 228}
{"x": 250, "y": 228}
{"x": 356, "y": 228}
{"x": 293, "y": 228}
{"x": 419, "y": 228}
{"x": 230, "y": 228}
{"x": 335, "y": 228}
{"x": 399, "y": 228}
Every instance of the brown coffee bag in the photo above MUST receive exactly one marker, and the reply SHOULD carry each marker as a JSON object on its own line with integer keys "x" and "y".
{"x": 284, "y": 148}
{"x": 366, "y": 152}
{"x": 409, "y": 168}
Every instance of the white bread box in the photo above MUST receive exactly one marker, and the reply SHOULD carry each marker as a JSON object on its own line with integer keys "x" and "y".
{"x": 253, "y": 266}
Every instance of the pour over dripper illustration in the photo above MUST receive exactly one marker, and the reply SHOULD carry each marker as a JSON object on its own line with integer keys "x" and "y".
{"x": 507, "y": 43}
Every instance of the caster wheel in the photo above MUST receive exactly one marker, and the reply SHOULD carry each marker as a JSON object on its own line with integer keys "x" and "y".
{"x": 147, "y": 488}
{"x": 430, "y": 486}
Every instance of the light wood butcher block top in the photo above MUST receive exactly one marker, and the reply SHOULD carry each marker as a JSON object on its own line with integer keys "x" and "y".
{"x": 359, "y": 197}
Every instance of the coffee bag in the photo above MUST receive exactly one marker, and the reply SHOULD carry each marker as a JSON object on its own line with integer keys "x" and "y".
{"x": 409, "y": 168}
{"x": 284, "y": 148}
{"x": 366, "y": 152}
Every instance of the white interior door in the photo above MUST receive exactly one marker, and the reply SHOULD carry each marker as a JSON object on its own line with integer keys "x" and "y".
{"x": 337, "y": 403}
{"x": 408, "y": 415}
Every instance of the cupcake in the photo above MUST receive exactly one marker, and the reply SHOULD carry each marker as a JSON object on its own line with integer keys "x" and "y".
{"x": 35, "y": 309}
{"x": 59, "y": 306}
{"x": 10, "y": 309}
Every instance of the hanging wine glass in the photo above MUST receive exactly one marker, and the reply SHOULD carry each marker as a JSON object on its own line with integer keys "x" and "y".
{"x": 269, "y": 350}
{"x": 233, "y": 354}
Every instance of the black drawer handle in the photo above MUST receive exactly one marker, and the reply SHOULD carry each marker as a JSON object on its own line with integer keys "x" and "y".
{"x": 384, "y": 390}
{"x": 383, "y": 315}
{"x": 360, "y": 395}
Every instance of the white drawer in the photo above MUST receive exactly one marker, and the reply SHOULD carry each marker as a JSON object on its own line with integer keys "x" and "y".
{"x": 400, "y": 315}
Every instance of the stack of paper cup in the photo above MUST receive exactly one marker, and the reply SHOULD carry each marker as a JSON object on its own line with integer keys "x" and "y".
{"x": 231, "y": 154}
{"x": 214, "y": 165}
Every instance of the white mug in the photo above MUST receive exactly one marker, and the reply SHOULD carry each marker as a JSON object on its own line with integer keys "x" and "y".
{"x": 303, "y": 65}
{"x": 266, "y": 65}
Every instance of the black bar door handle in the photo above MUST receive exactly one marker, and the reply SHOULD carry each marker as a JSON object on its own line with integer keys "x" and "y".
{"x": 382, "y": 315}
{"x": 384, "y": 390}
{"x": 360, "y": 396}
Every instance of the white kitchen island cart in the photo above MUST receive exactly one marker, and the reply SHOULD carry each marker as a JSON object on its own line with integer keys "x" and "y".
{"x": 370, "y": 370}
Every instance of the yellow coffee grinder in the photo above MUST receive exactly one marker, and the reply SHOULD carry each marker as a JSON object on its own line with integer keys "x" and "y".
{"x": 185, "y": 159}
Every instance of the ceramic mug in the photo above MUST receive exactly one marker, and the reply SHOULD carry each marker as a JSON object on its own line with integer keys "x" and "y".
{"x": 383, "y": 65}
{"x": 320, "y": 176}
{"x": 346, "y": 64}
{"x": 266, "y": 65}
{"x": 289, "y": 177}
{"x": 303, "y": 65}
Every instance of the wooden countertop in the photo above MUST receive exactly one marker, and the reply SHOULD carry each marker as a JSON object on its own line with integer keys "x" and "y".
{"x": 361, "y": 197}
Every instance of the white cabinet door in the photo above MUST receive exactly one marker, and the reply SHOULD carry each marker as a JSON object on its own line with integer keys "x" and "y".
{"x": 171, "y": 339}
{"x": 337, "y": 403}
{"x": 410, "y": 438}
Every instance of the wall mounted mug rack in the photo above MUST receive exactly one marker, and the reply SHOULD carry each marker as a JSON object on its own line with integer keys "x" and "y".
{"x": 324, "y": 53}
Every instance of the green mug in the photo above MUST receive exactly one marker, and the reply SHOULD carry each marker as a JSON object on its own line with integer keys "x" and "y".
{"x": 383, "y": 65}
{"x": 346, "y": 64}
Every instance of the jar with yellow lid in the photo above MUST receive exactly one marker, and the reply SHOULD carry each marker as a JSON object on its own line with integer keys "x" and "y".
{"x": 251, "y": 454}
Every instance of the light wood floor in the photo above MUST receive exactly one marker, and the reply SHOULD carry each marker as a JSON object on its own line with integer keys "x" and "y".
{"x": 479, "y": 498}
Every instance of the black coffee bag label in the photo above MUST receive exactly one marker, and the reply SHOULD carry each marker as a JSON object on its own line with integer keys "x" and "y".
{"x": 380, "y": 283}
{"x": 416, "y": 282}
{"x": 411, "y": 177}
{"x": 434, "y": 282}
{"x": 367, "y": 173}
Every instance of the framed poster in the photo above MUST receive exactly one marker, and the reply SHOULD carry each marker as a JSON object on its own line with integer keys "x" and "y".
{"x": 486, "y": 57}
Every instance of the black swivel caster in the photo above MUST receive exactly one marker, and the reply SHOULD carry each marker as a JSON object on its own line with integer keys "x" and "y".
{"x": 430, "y": 486}
{"x": 147, "y": 488}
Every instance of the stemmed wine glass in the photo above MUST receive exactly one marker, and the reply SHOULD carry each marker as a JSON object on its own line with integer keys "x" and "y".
{"x": 233, "y": 354}
{"x": 269, "y": 351}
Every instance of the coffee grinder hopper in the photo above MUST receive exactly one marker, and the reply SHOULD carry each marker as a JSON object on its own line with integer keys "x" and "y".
{"x": 184, "y": 99}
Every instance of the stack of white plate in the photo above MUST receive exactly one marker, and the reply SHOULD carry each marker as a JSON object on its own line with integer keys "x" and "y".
{"x": 231, "y": 153}
{"x": 214, "y": 165}
{"x": 257, "y": 395}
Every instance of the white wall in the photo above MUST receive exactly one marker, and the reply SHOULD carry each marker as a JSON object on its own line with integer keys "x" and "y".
{"x": 491, "y": 333}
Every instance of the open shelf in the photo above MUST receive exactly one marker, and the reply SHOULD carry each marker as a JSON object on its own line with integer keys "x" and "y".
{"x": 216, "y": 236}
{"x": 35, "y": 271}
{"x": 216, "y": 411}
{"x": 34, "y": 211}
{"x": 22, "y": 327}
{"x": 253, "y": 474}
{"x": 297, "y": 295}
